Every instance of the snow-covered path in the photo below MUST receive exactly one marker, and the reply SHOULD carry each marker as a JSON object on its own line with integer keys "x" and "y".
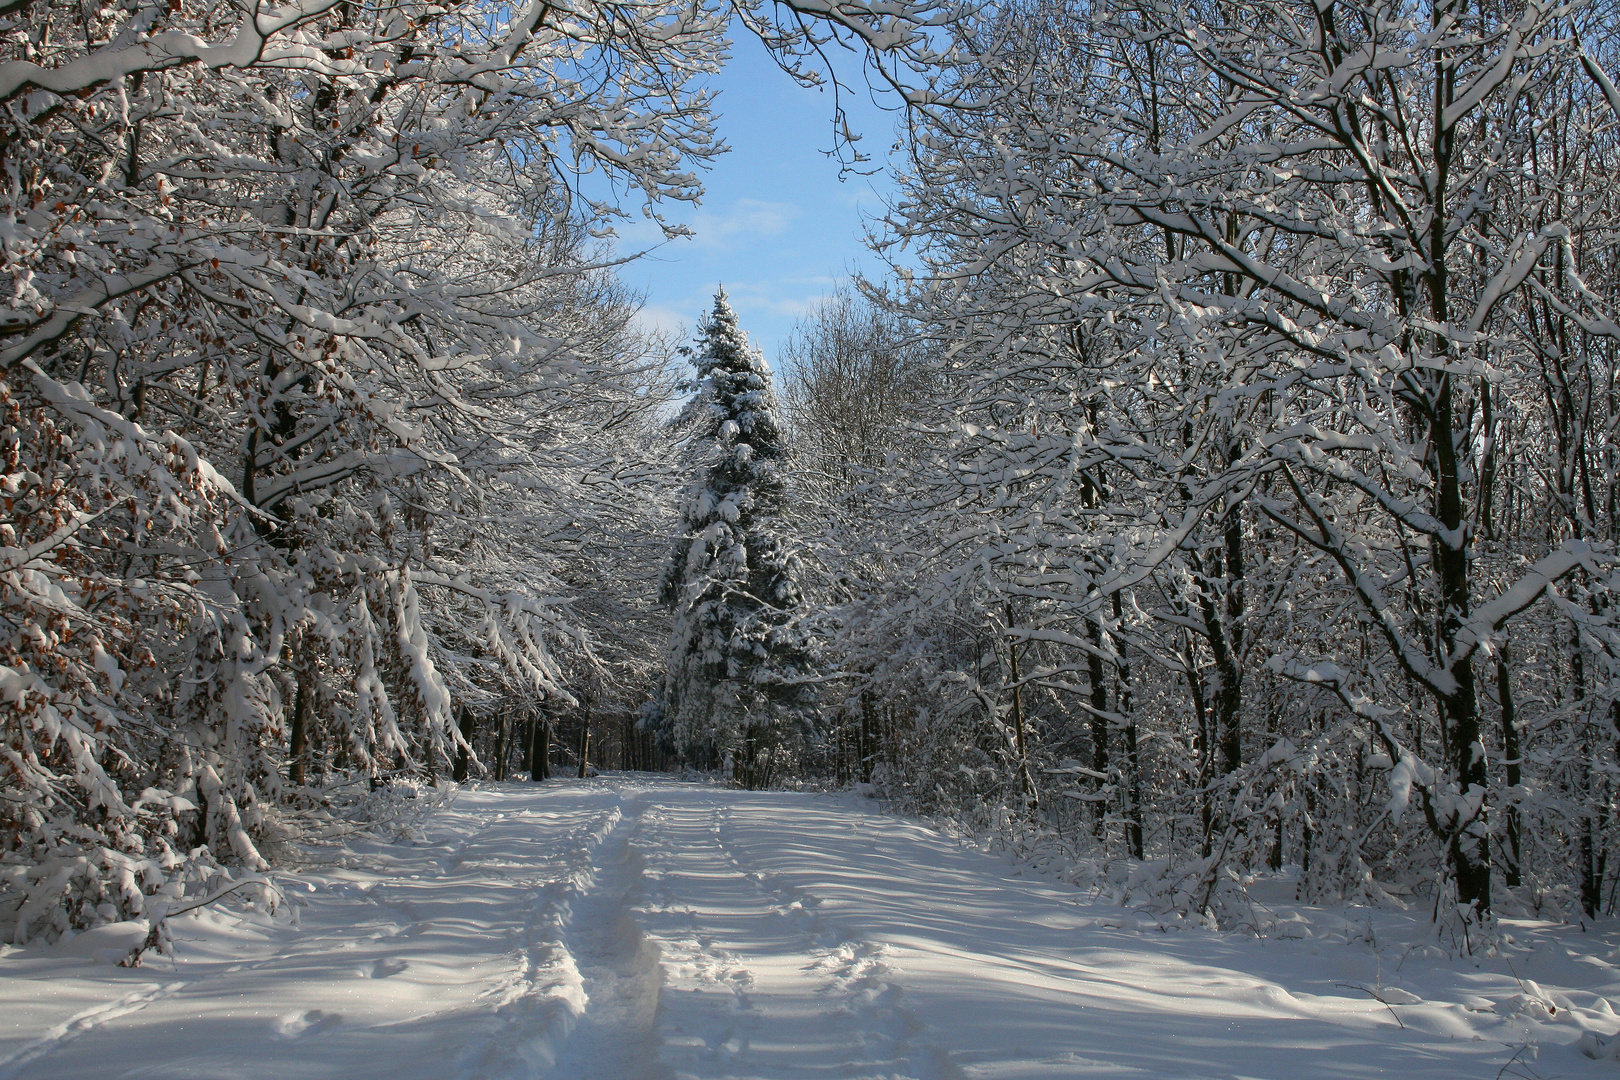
{"x": 631, "y": 928}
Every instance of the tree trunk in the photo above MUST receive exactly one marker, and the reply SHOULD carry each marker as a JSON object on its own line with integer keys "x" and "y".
{"x": 584, "y": 734}
{"x": 864, "y": 747}
{"x": 1469, "y": 831}
{"x": 468, "y": 728}
{"x": 1513, "y": 764}
{"x": 1592, "y": 851}
{"x": 1307, "y": 838}
{"x": 298, "y": 741}
{"x": 539, "y": 749}
{"x": 1026, "y": 782}
{"x": 1274, "y": 857}
{"x": 1099, "y": 725}
{"x": 1224, "y": 644}
{"x": 1133, "y": 760}
{"x": 1206, "y": 758}
{"x": 503, "y": 743}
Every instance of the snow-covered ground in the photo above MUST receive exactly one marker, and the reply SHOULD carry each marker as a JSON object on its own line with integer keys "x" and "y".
{"x": 631, "y": 928}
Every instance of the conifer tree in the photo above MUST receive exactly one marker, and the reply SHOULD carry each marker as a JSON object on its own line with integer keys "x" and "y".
{"x": 734, "y": 659}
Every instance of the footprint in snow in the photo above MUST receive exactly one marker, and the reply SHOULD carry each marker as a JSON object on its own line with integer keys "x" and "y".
{"x": 392, "y": 965}
{"x": 313, "y": 1022}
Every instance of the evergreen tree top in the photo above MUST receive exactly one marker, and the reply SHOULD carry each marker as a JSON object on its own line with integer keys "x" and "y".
{"x": 736, "y": 387}
{"x": 725, "y": 345}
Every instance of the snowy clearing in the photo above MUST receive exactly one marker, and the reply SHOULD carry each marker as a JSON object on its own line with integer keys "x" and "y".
{"x": 633, "y": 927}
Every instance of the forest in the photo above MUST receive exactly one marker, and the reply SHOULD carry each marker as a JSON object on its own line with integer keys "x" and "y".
{"x": 1222, "y": 479}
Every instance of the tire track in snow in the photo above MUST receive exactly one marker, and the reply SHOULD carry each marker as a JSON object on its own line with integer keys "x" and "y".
{"x": 531, "y": 891}
{"x": 584, "y": 1001}
{"x": 710, "y": 984}
{"x": 857, "y": 979}
{"x": 616, "y": 1037}
{"x": 759, "y": 983}
{"x": 541, "y": 1002}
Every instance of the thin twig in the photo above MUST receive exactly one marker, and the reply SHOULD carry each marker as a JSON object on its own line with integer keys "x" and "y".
{"x": 1376, "y": 997}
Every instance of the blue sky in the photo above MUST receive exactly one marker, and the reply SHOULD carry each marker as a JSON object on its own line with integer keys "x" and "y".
{"x": 777, "y": 226}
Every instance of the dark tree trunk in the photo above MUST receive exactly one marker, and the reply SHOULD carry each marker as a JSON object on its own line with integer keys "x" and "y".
{"x": 1274, "y": 857}
{"x": 502, "y": 743}
{"x": 865, "y": 749}
{"x": 1307, "y": 838}
{"x": 539, "y": 749}
{"x": 1133, "y": 760}
{"x": 1512, "y": 763}
{"x": 1099, "y": 725}
{"x": 1593, "y": 852}
{"x": 468, "y": 726}
{"x": 1222, "y": 638}
{"x": 1469, "y": 831}
{"x": 1021, "y": 745}
{"x": 298, "y": 741}
{"x": 1206, "y": 758}
{"x": 1469, "y": 836}
{"x": 1487, "y": 468}
{"x": 584, "y": 734}
{"x": 1229, "y": 704}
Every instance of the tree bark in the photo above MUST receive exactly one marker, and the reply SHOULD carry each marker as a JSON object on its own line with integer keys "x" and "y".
{"x": 1099, "y": 724}
{"x": 1133, "y": 760}
{"x": 1465, "y": 749}
{"x": 584, "y": 734}
{"x": 1459, "y": 710}
{"x": 1026, "y": 782}
{"x": 468, "y": 726}
{"x": 539, "y": 749}
{"x": 503, "y": 744}
{"x": 298, "y": 740}
{"x": 1512, "y": 763}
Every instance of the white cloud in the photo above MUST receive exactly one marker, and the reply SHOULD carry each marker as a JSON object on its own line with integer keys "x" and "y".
{"x": 796, "y": 307}
{"x": 768, "y": 308}
{"x": 825, "y": 281}
{"x": 713, "y": 231}
{"x": 641, "y": 234}
{"x": 744, "y": 218}
{"x": 657, "y": 319}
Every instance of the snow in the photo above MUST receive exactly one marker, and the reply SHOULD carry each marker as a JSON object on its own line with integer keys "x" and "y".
{"x": 633, "y": 927}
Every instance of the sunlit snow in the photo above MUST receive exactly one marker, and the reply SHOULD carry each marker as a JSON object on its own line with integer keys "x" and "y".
{"x": 633, "y": 927}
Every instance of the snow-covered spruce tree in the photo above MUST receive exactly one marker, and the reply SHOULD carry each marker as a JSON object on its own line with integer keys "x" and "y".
{"x": 735, "y": 662}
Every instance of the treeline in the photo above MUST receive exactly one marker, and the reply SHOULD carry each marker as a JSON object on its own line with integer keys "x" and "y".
{"x": 329, "y": 450}
{"x": 1224, "y": 479}
{"x": 1249, "y": 497}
